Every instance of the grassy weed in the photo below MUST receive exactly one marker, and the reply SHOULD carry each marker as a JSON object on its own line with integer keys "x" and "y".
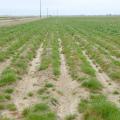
{"x": 8, "y": 76}
{"x": 92, "y": 84}
{"x": 98, "y": 108}
{"x": 39, "y": 112}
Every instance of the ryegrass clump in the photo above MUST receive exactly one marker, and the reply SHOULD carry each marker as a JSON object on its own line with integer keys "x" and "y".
{"x": 2, "y": 106}
{"x": 20, "y": 65}
{"x": 46, "y": 56}
{"x": 49, "y": 85}
{"x": 8, "y": 76}
{"x": 9, "y": 90}
{"x": 92, "y": 84}
{"x": 98, "y": 108}
{"x": 39, "y": 112}
{"x": 4, "y": 97}
{"x": 11, "y": 107}
{"x": 55, "y": 57}
{"x": 45, "y": 63}
{"x": 2, "y": 56}
{"x": 86, "y": 68}
{"x": 42, "y": 91}
{"x": 115, "y": 76}
{"x": 30, "y": 94}
{"x": 70, "y": 117}
{"x": 7, "y": 96}
{"x": 54, "y": 101}
{"x": 5, "y": 106}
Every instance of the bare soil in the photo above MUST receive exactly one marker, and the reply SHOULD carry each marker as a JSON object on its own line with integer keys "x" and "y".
{"x": 9, "y": 22}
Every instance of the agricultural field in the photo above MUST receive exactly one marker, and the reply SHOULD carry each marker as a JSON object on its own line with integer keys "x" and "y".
{"x": 8, "y": 21}
{"x": 61, "y": 68}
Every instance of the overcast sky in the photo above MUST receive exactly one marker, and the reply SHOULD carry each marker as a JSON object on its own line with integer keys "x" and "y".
{"x": 61, "y": 7}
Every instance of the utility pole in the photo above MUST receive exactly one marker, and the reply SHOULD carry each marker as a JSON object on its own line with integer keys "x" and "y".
{"x": 57, "y": 12}
{"x": 40, "y": 9}
{"x": 47, "y": 12}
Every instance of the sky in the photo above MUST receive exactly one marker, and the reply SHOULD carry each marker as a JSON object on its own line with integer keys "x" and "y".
{"x": 59, "y": 7}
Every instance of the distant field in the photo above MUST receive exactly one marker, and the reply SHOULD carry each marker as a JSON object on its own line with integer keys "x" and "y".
{"x": 8, "y": 21}
{"x": 61, "y": 68}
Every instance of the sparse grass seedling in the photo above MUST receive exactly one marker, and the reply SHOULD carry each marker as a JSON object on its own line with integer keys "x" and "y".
{"x": 8, "y": 76}
{"x": 39, "y": 112}
{"x": 49, "y": 85}
{"x": 98, "y": 108}
{"x": 9, "y": 90}
{"x": 30, "y": 94}
{"x": 92, "y": 84}
{"x": 42, "y": 91}
{"x": 116, "y": 93}
{"x": 70, "y": 117}
{"x": 11, "y": 107}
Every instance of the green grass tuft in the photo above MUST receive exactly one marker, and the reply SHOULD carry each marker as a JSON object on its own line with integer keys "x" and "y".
{"x": 49, "y": 85}
{"x": 7, "y": 77}
{"x": 39, "y": 112}
{"x": 98, "y": 108}
{"x": 88, "y": 69}
{"x": 70, "y": 117}
{"x": 92, "y": 84}
{"x": 9, "y": 90}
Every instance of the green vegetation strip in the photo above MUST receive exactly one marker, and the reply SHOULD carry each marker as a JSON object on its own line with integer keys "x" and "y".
{"x": 39, "y": 112}
{"x": 98, "y": 108}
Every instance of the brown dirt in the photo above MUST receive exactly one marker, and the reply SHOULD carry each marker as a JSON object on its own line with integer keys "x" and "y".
{"x": 10, "y": 22}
